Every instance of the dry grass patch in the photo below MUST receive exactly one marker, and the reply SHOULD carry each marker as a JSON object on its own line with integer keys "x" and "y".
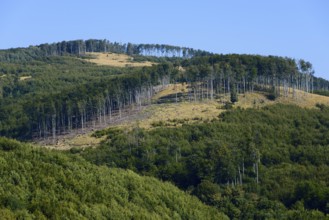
{"x": 22, "y": 78}
{"x": 174, "y": 114}
{"x": 78, "y": 141}
{"x": 305, "y": 100}
{"x": 301, "y": 98}
{"x": 252, "y": 100}
{"x": 117, "y": 60}
{"x": 171, "y": 89}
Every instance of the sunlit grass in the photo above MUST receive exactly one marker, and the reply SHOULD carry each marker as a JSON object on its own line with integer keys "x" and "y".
{"x": 116, "y": 60}
{"x": 177, "y": 114}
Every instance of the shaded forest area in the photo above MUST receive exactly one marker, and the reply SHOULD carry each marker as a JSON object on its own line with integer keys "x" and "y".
{"x": 250, "y": 164}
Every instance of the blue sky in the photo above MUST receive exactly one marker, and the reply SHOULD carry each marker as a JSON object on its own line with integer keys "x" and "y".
{"x": 292, "y": 28}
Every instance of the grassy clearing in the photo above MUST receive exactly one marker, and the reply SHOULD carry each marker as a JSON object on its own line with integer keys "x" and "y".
{"x": 176, "y": 114}
{"x": 172, "y": 114}
{"x": 302, "y": 99}
{"x": 76, "y": 141}
{"x": 171, "y": 89}
{"x": 22, "y": 78}
{"x": 117, "y": 60}
{"x": 305, "y": 100}
{"x": 252, "y": 100}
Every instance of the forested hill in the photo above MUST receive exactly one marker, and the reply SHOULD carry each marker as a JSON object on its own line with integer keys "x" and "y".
{"x": 81, "y": 47}
{"x": 266, "y": 162}
{"x": 39, "y": 184}
{"x": 50, "y": 89}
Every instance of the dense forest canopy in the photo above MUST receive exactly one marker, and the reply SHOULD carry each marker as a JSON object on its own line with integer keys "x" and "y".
{"x": 250, "y": 164}
{"x": 41, "y": 184}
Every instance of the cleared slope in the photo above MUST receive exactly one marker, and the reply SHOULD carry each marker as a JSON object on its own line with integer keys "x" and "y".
{"x": 41, "y": 184}
{"x": 176, "y": 114}
{"x": 117, "y": 60}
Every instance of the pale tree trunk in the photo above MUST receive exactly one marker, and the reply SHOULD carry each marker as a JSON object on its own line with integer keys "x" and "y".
{"x": 53, "y": 126}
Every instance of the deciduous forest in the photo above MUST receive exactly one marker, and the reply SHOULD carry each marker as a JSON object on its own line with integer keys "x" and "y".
{"x": 267, "y": 162}
{"x": 250, "y": 164}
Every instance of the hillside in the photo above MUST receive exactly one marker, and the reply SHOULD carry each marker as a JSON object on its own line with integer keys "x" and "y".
{"x": 270, "y": 162}
{"x": 173, "y": 114}
{"x": 245, "y": 134}
{"x": 51, "y": 90}
{"x": 41, "y": 184}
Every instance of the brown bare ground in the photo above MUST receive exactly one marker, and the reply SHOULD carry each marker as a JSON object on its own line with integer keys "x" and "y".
{"x": 116, "y": 60}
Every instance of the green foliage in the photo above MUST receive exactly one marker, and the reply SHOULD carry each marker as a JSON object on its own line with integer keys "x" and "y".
{"x": 8, "y": 144}
{"x": 321, "y": 92}
{"x": 42, "y": 184}
{"x": 63, "y": 93}
{"x": 227, "y": 106}
{"x": 269, "y": 163}
{"x": 233, "y": 95}
{"x": 48, "y": 90}
{"x": 218, "y": 161}
{"x": 272, "y": 94}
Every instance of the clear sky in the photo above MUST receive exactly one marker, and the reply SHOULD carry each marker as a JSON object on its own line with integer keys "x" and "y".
{"x": 292, "y": 28}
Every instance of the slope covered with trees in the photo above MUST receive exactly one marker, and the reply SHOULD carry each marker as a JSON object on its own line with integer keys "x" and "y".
{"x": 45, "y": 93}
{"x": 64, "y": 93}
{"x": 41, "y": 184}
{"x": 266, "y": 163}
{"x": 269, "y": 163}
{"x": 220, "y": 74}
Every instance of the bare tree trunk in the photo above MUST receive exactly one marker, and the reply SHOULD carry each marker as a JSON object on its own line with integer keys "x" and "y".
{"x": 82, "y": 121}
{"x": 69, "y": 123}
{"x": 194, "y": 92}
{"x": 240, "y": 176}
{"x": 53, "y": 125}
{"x": 40, "y": 131}
{"x": 244, "y": 84}
{"x": 257, "y": 172}
{"x": 104, "y": 111}
{"x": 110, "y": 111}
{"x": 212, "y": 87}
